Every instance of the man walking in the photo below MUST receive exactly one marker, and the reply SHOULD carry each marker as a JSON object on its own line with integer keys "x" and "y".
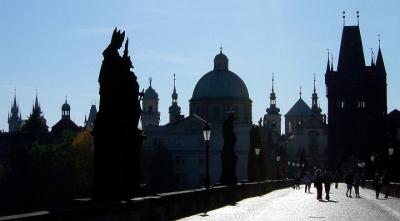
{"x": 318, "y": 183}
{"x": 327, "y": 183}
{"x": 336, "y": 179}
{"x": 377, "y": 184}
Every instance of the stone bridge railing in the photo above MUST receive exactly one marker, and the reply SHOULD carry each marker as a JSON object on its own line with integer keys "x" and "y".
{"x": 394, "y": 188}
{"x": 165, "y": 206}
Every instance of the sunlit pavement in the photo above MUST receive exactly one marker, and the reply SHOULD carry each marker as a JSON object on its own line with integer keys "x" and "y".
{"x": 290, "y": 204}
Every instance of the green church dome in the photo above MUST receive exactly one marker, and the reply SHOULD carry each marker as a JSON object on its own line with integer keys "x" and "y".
{"x": 220, "y": 82}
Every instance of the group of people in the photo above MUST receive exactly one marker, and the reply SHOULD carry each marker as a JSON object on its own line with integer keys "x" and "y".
{"x": 321, "y": 179}
{"x": 354, "y": 180}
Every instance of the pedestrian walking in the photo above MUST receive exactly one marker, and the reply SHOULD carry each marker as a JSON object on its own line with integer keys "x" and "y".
{"x": 307, "y": 182}
{"x": 318, "y": 183}
{"x": 376, "y": 183}
{"x": 327, "y": 183}
{"x": 385, "y": 184}
{"x": 349, "y": 183}
{"x": 356, "y": 183}
{"x": 336, "y": 178}
{"x": 297, "y": 182}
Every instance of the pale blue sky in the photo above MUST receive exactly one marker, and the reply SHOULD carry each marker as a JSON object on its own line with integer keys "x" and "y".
{"x": 56, "y": 47}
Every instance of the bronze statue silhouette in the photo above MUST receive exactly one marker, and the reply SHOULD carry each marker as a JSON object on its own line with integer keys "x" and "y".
{"x": 228, "y": 156}
{"x": 117, "y": 140}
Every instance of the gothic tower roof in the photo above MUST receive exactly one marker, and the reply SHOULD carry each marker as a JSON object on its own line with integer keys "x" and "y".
{"x": 351, "y": 56}
{"x": 380, "y": 65}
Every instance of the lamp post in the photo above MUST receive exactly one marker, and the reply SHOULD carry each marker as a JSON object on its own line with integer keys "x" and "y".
{"x": 372, "y": 157}
{"x": 257, "y": 149}
{"x": 207, "y": 138}
{"x": 391, "y": 150}
{"x": 278, "y": 158}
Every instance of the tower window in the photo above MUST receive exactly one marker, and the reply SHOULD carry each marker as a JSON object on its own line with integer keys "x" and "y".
{"x": 361, "y": 104}
{"x": 340, "y": 104}
{"x": 273, "y": 102}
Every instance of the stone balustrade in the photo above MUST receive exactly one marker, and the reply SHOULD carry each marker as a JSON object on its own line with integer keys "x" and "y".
{"x": 164, "y": 206}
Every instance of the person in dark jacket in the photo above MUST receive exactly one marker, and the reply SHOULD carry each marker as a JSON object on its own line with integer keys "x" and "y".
{"x": 336, "y": 178}
{"x": 349, "y": 183}
{"x": 376, "y": 183}
{"x": 356, "y": 183}
{"x": 307, "y": 182}
{"x": 385, "y": 184}
{"x": 318, "y": 183}
{"x": 327, "y": 183}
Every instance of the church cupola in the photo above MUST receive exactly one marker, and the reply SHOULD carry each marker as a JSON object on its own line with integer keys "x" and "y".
{"x": 150, "y": 114}
{"x": 66, "y": 110}
{"x": 174, "y": 109}
{"x": 220, "y": 61}
{"x": 272, "y": 120}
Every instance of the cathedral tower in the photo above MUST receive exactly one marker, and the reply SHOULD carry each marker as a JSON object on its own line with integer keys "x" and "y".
{"x": 150, "y": 114}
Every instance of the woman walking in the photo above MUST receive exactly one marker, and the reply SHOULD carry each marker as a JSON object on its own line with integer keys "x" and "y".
{"x": 356, "y": 184}
{"x": 349, "y": 183}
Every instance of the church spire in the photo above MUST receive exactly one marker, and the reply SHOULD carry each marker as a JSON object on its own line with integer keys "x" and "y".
{"x": 174, "y": 94}
{"x": 316, "y": 110}
{"x": 328, "y": 66}
{"x": 174, "y": 109}
{"x": 380, "y": 65}
{"x": 272, "y": 110}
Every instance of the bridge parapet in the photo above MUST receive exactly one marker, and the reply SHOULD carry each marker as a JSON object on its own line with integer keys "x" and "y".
{"x": 164, "y": 206}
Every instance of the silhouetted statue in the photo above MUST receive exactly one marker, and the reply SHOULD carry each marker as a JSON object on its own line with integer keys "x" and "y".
{"x": 117, "y": 140}
{"x": 228, "y": 173}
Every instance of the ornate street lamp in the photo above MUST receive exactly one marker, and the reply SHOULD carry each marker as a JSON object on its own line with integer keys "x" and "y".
{"x": 257, "y": 149}
{"x": 278, "y": 158}
{"x": 207, "y": 138}
{"x": 391, "y": 150}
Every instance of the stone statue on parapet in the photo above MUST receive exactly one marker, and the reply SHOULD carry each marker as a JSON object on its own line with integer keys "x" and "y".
{"x": 117, "y": 140}
{"x": 228, "y": 156}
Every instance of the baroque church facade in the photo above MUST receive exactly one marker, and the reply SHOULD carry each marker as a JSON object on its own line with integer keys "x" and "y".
{"x": 216, "y": 94}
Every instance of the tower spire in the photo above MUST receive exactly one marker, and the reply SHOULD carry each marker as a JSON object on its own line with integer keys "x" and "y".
{"x": 344, "y": 18}
{"x": 358, "y": 18}
{"x": 300, "y": 92}
{"x": 331, "y": 61}
{"x": 174, "y": 94}
{"x": 314, "y": 83}
{"x": 328, "y": 66}
{"x": 272, "y": 82}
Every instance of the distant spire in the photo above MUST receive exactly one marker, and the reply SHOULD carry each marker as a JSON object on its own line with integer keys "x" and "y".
{"x": 331, "y": 61}
{"x": 379, "y": 41}
{"x": 66, "y": 98}
{"x": 380, "y": 65}
{"x": 358, "y": 18}
{"x": 328, "y": 66}
{"x": 272, "y": 82}
{"x": 314, "y": 83}
{"x": 300, "y": 92}
{"x": 372, "y": 57}
{"x": 174, "y": 94}
{"x": 220, "y": 49}
{"x": 36, "y": 100}
{"x": 344, "y": 18}
{"x": 126, "y": 47}
{"x": 15, "y": 97}
{"x": 150, "y": 80}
